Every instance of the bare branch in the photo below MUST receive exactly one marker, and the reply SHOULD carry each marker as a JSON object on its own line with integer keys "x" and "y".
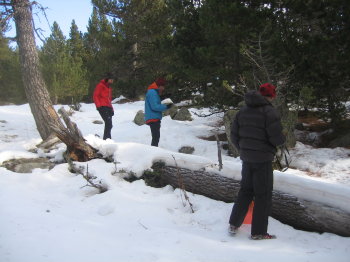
{"x": 213, "y": 112}
{"x": 219, "y": 151}
{"x": 88, "y": 177}
{"x": 42, "y": 10}
{"x": 182, "y": 187}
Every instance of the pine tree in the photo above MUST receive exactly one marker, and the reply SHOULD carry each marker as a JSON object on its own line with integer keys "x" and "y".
{"x": 315, "y": 35}
{"x": 63, "y": 68}
{"x": 101, "y": 43}
{"x": 11, "y": 85}
{"x": 143, "y": 27}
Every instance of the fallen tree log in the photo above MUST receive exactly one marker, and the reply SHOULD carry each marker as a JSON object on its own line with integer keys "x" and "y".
{"x": 288, "y": 209}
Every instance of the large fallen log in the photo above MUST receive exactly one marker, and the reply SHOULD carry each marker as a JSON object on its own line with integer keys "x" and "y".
{"x": 289, "y": 209}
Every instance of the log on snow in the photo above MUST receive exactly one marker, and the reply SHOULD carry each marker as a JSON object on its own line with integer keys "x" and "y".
{"x": 288, "y": 209}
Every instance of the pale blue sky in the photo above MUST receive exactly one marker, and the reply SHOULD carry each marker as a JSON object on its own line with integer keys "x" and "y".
{"x": 63, "y": 12}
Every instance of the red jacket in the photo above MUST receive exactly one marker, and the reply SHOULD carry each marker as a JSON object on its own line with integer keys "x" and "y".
{"x": 103, "y": 94}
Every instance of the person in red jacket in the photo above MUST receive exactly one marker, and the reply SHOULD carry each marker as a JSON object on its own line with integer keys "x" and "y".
{"x": 103, "y": 100}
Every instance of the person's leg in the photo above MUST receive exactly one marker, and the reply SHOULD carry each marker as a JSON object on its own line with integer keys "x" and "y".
{"x": 155, "y": 130}
{"x": 263, "y": 186}
{"x": 107, "y": 118}
{"x": 108, "y": 128}
{"x": 245, "y": 196}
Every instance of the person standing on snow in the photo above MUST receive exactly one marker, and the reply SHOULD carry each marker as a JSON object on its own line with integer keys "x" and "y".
{"x": 256, "y": 132}
{"x": 103, "y": 100}
{"x": 154, "y": 108}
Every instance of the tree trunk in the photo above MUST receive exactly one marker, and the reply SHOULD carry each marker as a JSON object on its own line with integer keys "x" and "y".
{"x": 45, "y": 116}
{"x": 296, "y": 212}
{"x": 34, "y": 85}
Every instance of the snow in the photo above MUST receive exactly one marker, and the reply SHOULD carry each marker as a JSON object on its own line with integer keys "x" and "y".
{"x": 51, "y": 215}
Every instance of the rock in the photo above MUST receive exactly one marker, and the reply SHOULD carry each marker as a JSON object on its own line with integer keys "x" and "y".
{"x": 241, "y": 104}
{"x": 343, "y": 141}
{"x": 228, "y": 119}
{"x": 139, "y": 118}
{"x": 97, "y": 122}
{"x": 171, "y": 112}
{"x": 198, "y": 99}
{"x": 186, "y": 150}
{"x": 26, "y": 165}
{"x": 183, "y": 115}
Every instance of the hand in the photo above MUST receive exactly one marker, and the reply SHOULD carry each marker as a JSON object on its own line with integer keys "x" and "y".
{"x": 169, "y": 106}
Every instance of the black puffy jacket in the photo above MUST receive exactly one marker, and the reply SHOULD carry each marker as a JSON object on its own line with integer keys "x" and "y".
{"x": 256, "y": 129}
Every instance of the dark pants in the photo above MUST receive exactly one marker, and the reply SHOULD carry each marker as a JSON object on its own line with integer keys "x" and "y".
{"x": 155, "y": 130}
{"x": 257, "y": 185}
{"x": 106, "y": 114}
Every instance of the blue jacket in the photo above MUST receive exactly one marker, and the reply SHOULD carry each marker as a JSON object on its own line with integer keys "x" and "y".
{"x": 153, "y": 107}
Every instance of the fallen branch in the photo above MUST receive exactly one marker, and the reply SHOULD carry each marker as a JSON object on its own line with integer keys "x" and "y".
{"x": 87, "y": 176}
{"x": 219, "y": 151}
{"x": 181, "y": 185}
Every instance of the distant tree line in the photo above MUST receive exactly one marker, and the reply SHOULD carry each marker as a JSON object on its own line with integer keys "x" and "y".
{"x": 215, "y": 48}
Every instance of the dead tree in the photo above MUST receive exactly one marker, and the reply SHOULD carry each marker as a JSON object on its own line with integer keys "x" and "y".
{"x": 289, "y": 209}
{"x": 77, "y": 148}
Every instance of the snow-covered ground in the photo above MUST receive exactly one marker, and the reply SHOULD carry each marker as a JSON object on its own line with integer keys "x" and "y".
{"x": 50, "y": 215}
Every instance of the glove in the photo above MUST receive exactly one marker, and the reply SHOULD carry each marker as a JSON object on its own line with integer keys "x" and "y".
{"x": 169, "y": 106}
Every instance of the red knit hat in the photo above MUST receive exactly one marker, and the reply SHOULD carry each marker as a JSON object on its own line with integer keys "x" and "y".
{"x": 268, "y": 90}
{"x": 160, "y": 81}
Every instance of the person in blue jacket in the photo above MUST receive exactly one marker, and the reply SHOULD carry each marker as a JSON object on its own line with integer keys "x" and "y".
{"x": 154, "y": 108}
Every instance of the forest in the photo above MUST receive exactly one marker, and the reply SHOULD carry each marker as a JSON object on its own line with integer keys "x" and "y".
{"x": 210, "y": 50}
{"x": 134, "y": 202}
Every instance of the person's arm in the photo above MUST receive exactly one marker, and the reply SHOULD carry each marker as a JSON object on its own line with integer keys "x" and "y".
{"x": 96, "y": 96}
{"x": 274, "y": 128}
{"x": 153, "y": 102}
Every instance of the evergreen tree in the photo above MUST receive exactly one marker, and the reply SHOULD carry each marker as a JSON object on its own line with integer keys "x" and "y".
{"x": 143, "y": 27}
{"x": 11, "y": 85}
{"x": 102, "y": 46}
{"x": 63, "y": 68}
{"x": 186, "y": 66}
{"x": 315, "y": 35}
{"x": 76, "y": 43}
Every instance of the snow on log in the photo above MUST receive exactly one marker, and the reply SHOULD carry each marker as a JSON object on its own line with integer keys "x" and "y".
{"x": 287, "y": 208}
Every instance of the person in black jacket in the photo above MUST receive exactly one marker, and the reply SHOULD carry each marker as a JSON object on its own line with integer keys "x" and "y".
{"x": 256, "y": 132}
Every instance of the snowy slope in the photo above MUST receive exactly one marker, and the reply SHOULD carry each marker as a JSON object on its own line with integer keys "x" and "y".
{"x": 51, "y": 215}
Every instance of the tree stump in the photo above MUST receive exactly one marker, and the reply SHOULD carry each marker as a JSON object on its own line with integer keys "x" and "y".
{"x": 77, "y": 148}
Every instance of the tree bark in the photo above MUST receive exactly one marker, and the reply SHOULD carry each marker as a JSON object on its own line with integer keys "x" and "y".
{"x": 292, "y": 210}
{"x": 77, "y": 148}
{"x": 45, "y": 116}
{"x": 34, "y": 85}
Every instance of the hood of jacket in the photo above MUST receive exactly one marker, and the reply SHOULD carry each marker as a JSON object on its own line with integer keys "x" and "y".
{"x": 255, "y": 99}
{"x": 104, "y": 83}
{"x": 153, "y": 86}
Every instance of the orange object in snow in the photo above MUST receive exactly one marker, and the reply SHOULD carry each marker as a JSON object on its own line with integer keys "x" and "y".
{"x": 249, "y": 216}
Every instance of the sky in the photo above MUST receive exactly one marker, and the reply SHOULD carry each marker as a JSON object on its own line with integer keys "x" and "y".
{"x": 52, "y": 216}
{"x": 63, "y": 12}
